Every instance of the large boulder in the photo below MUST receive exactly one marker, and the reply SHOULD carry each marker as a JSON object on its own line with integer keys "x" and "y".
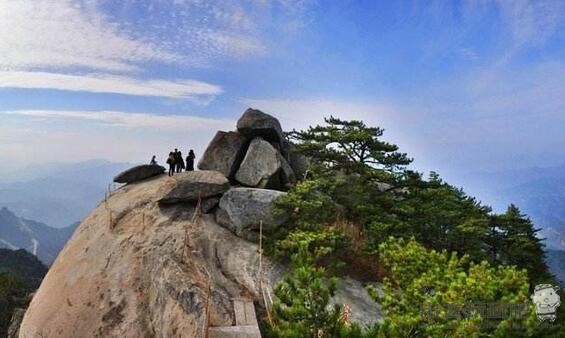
{"x": 139, "y": 173}
{"x": 241, "y": 210}
{"x": 264, "y": 167}
{"x": 223, "y": 153}
{"x": 255, "y": 123}
{"x": 190, "y": 185}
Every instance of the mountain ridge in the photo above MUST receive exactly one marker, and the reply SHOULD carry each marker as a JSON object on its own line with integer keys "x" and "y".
{"x": 37, "y": 238}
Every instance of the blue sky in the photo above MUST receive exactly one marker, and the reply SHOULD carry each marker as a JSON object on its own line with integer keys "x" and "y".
{"x": 461, "y": 86}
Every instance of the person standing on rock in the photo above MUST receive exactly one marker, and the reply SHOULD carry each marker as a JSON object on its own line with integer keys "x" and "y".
{"x": 190, "y": 160}
{"x": 171, "y": 161}
{"x": 180, "y": 160}
{"x": 153, "y": 160}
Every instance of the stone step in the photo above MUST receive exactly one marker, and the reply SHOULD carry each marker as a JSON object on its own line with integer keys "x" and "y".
{"x": 243, "y": 331}
{"x": 244, "y": 312}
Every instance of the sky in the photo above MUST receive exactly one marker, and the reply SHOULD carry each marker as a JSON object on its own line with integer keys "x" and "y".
{"x": 461, "y": 86}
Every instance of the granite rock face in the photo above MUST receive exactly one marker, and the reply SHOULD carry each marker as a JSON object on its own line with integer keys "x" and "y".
{"x": 139, "y": 173}
{"x": 242, "y": 209}
{"x": 209, "y": 204}
{"x": 128, "y": 272}
{"x": 223, "y": 153}
{"x": 264, "y": 167}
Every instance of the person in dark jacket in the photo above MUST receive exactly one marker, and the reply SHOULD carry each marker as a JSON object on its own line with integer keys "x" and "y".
{"x": 190, "y": 160}
{"x": 153, "y": 160}
{"x": 171, "y": 161}
{"x": 179, "y": 160}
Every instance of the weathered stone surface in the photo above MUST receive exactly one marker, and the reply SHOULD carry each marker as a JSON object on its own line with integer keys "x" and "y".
{"x": 223, "y": 153}
{"x": 139, "y": 173}
{"x": 128, "y": 271}
{"x": 131, "y": 280}
{"x": 364, "y": 310}
{"x": 255, "y": 123}
{"x": 264, "y": 167}
{"x": 15, "y": 322}
{"x": 242, "y": 209}
{"x": 209, "y": 204}
{"x": 190, "y": 185}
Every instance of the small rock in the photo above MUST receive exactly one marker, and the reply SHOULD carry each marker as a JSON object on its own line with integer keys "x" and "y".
{"x": 190, "y": 185}
{"x": 254, "y": 123}
{"x": 264, "y": 167}
{"x": 298, "y": 162}
{"x": 242, "y": 209}
{"x": 139, "y": 173}
{"x": 364, "y": 310}
{"x": 223, "y": 153}
{"x": 209, "y": 203}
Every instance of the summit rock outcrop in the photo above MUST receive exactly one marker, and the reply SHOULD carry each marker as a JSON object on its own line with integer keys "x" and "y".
{"x": 167, "y": 256}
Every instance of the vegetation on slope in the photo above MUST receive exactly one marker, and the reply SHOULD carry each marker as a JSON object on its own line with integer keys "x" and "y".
{"x": 20, "y": 274}
{"x": 409, "y": 230}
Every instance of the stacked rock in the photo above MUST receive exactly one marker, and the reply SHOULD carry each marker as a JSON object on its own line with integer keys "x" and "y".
{"x": 256, "y": 155}
{"x": 241, "y": 173}
{"x": 255, "y": 159}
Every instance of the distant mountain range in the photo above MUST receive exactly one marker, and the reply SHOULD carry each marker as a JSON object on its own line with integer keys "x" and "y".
{"x": 58, "y": 194}
{"x": 37, "y": 238}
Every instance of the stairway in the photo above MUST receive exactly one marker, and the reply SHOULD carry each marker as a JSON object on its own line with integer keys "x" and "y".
{"x": 245, "y": 322}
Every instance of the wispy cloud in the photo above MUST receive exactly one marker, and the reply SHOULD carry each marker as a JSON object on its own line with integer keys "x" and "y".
{"x": 99, "y": 83}
{"x": 58, "y": 33}
{"x": 44, "y": 43}
{"x": 184, "y": 123}
{"x": 532, "y": 22}
{"x": 120, "y": 36}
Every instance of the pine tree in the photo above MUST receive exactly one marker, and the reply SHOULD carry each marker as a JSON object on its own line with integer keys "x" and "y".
{"x": 352, "y": 147}
{"x": 518, "y": 243}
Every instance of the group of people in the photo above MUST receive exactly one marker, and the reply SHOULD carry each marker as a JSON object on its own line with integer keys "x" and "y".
{"x": 177, "y": 163}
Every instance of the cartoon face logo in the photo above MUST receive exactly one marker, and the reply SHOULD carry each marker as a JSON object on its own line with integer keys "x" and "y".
{"x": 546, "y": 300}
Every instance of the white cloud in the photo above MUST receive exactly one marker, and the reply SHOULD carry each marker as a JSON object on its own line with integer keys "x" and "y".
{"x": 98, "y": 83}
{"x": 56, "y": 33}
{"x": 185, "y": 123}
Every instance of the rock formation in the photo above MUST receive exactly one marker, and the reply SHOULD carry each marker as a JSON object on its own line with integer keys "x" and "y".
{"x": 147, "y": 263}
{"x": 256, "y": 123}
{"x": 243, "y": 209}
{"x": 139, "y": 173}
{"x": 223, "y": 153}
{"x": 192, "y": 185}
{"x": 264, "y": 167}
